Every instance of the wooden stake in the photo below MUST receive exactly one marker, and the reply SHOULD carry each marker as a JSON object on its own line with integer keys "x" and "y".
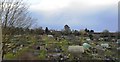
{"x": 0, "y": 41}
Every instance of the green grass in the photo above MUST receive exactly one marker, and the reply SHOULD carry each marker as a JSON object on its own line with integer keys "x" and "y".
{"x": 9, "y": 56}
{"x": 42, "y": 55}
{"x": 52, "y": 43}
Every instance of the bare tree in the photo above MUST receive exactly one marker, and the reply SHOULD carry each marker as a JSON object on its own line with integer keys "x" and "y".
{"x": 13, "y": 13}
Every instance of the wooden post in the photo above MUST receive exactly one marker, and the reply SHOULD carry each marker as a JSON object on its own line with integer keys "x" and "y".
{"x": 0, "y": 41}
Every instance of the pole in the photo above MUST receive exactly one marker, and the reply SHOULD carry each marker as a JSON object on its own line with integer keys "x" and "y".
{"x": 0, "y": 41}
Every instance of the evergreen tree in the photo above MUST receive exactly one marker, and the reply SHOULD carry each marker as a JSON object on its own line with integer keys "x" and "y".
{"x": 46, "y": 30}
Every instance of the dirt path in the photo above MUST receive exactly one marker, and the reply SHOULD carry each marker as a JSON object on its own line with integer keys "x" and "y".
{"x": 28, "y": 55}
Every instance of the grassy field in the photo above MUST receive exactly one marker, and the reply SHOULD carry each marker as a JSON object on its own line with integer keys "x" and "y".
{"x": 50, "y": 43}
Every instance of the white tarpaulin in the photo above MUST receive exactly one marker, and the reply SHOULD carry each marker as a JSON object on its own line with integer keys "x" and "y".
{"x": 105, "y": 45}
{"x": 51, "y": 36}
{"x": 76, "y": 49}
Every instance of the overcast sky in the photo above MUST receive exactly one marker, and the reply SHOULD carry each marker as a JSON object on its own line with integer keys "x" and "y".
{"x": 78, "y": 14}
